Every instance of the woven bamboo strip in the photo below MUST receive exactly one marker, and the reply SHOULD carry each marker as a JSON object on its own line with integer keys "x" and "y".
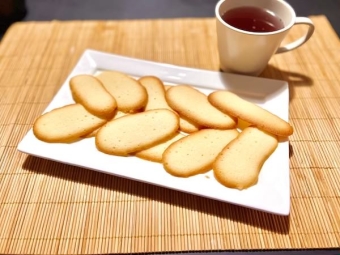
{"x": 48, "y": 207}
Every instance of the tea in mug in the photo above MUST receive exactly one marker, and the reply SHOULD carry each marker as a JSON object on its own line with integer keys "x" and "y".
{"x": 253, "y": 19}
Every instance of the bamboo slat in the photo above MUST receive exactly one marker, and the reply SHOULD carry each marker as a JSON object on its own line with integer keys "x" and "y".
{"x": 52, "y": 208}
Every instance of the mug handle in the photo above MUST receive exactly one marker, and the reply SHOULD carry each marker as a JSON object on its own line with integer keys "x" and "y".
{"x": 301, "y": 40}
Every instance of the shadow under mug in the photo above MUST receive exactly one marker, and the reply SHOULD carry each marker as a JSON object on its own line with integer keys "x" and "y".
{"x": 247, "y": 52}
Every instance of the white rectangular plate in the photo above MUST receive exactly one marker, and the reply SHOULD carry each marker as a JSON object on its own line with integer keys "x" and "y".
{"x": 270, "y": 194}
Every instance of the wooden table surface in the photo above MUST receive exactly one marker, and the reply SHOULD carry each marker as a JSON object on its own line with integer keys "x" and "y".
{"x": 49, "y": 207}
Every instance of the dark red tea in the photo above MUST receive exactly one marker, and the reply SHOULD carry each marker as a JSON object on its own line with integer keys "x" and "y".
{"x": 253, "y": 19}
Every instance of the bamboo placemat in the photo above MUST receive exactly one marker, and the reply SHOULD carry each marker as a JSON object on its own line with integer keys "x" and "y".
{"x": 48, "y": 207}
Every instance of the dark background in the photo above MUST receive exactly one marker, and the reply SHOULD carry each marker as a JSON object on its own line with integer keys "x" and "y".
{"x": 42, "y": 10}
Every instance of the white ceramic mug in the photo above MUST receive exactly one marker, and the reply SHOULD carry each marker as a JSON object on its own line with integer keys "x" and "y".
{"x": 248, "y": 53}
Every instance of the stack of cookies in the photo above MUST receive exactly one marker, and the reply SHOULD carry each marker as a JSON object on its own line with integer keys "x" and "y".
{"x": 186, "y": 131}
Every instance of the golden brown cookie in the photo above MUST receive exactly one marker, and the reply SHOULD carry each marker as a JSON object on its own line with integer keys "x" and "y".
{"x": 136, "y": 132}
{"x": 90, "y": 92}
{"x": 194, "y": 106}
{"x": 240, "y": 162}
{"x": 195, "y": 153}
{"x": 66, "y": 124}
{"x": 235, "y": 106}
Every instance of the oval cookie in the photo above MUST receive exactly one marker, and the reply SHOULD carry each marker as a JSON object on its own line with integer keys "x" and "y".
{"x": 232, "y": 104}
{"x": 195, "y": 153}
{"x": 66, "y": 124}
{"x": 194, "y": 106}
{"x": 130, "y": 95}
{"x": 136, "y": 132}
{"x": 90, "y": 92}
{"x": 240, "y": 162}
